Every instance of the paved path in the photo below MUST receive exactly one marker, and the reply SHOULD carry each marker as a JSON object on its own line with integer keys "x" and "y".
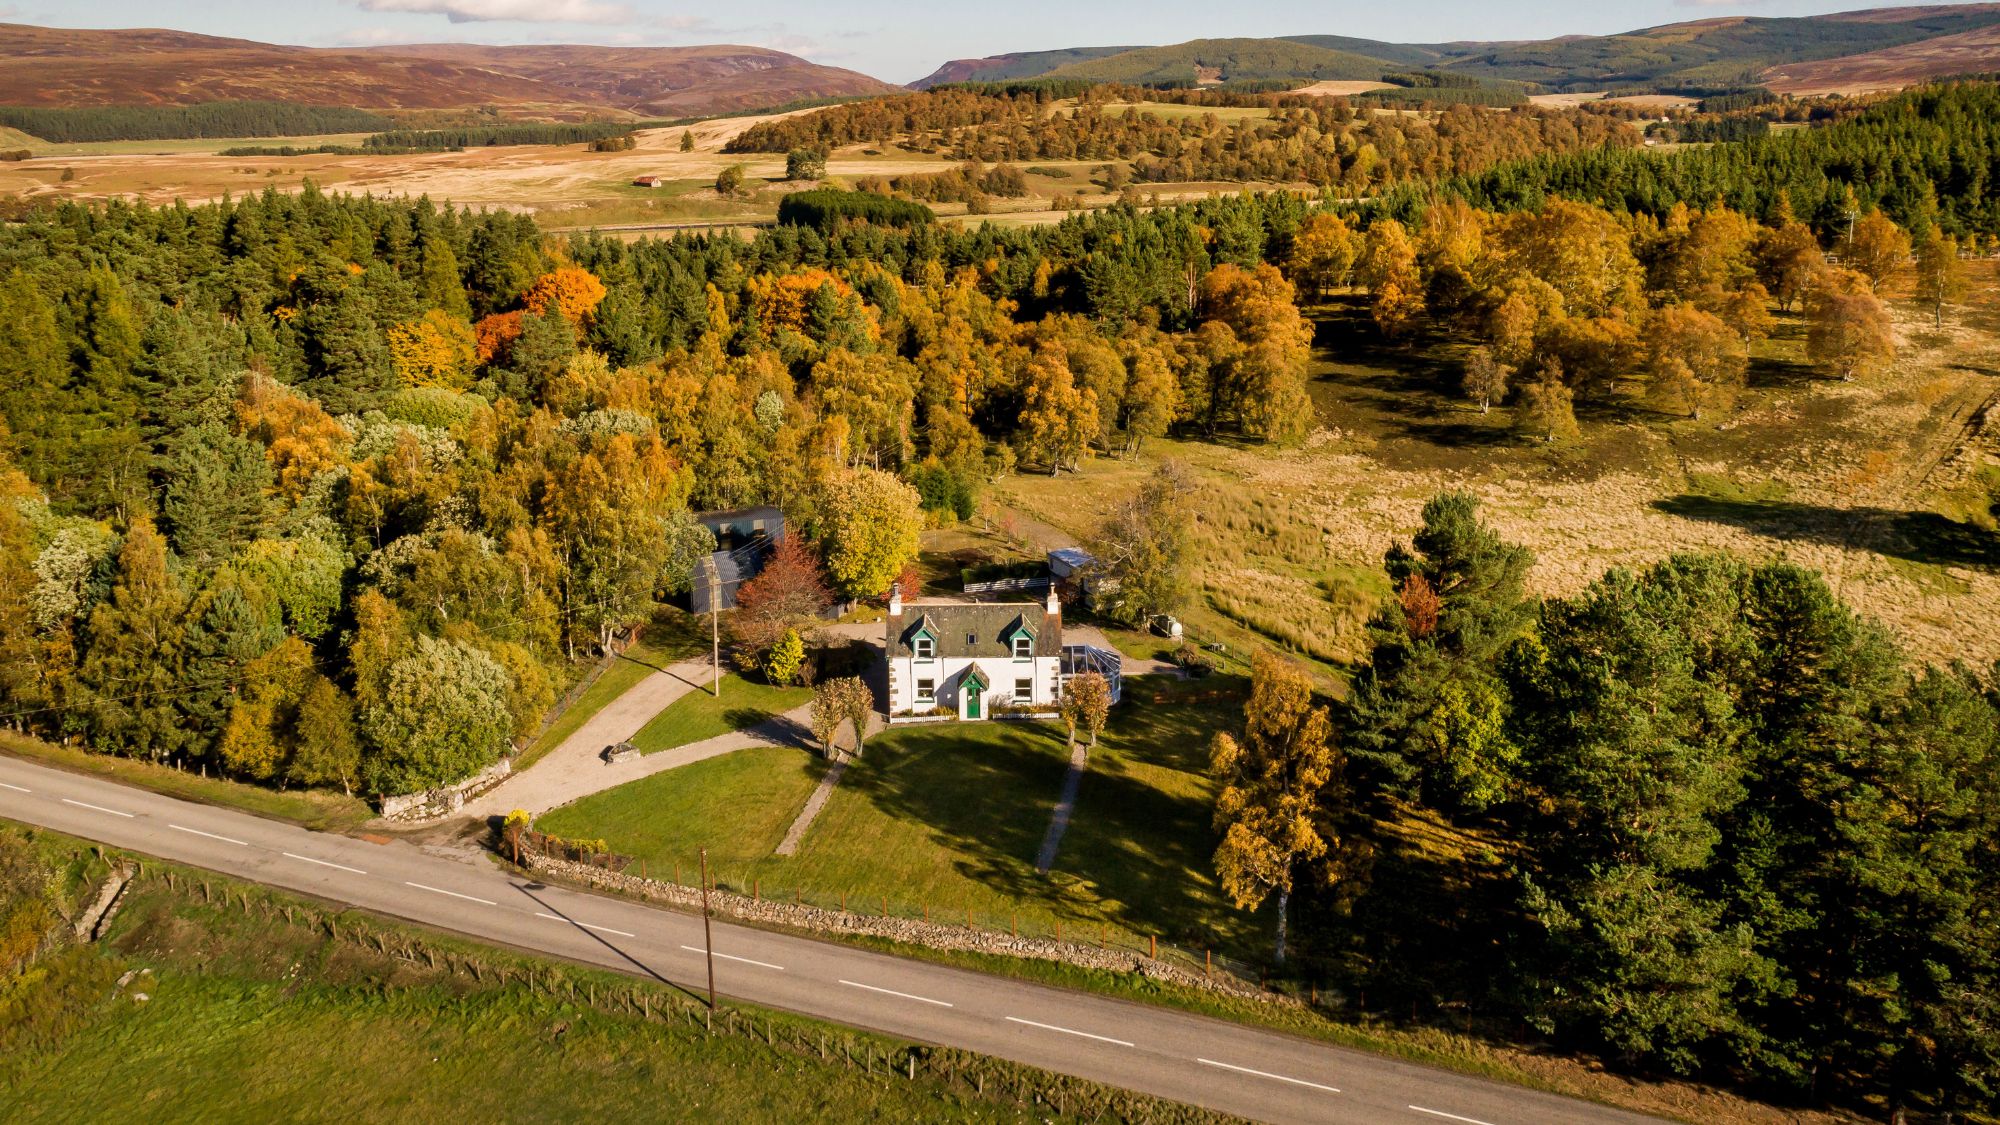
{"x": 1251, "y": 1072}
{"x": 797, "y": 832}
{"x": 573, "y": 769}
{"x": 1079, "y": 757}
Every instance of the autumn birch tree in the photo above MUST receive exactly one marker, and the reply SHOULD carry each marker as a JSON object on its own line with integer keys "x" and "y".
{"x": 1276, "y": 780}
{"x": 1086, "y": 704}
{"x": 1940, "y": 275}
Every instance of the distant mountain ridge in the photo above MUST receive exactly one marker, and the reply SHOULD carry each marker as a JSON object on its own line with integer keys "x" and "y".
{"x": 43, "y": 66}
{"x": 1021, "y": 64}
{"x": 1872, "y": 48}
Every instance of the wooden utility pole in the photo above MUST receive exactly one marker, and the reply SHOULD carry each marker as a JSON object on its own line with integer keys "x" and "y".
{"x": 707, "y": 934}
{"x": 714, "y": 620}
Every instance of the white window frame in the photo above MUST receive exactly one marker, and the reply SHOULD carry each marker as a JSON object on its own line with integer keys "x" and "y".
{"x": 923, "y": 647}
{"x": 926, "y": 692}
{"x": 1024, "y": 647}
{"x": 1024, "y": 689}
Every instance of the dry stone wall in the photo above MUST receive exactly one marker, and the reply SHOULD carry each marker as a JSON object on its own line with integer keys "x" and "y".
{"x": 908, "y": 930}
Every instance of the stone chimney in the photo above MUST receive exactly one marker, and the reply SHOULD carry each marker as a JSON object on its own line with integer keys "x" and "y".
{"x": 1054, "y": 606}
{"x": 895, "y": 599}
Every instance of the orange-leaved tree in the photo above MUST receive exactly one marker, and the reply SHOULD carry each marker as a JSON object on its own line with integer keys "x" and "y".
{"x": 574, "y": 292}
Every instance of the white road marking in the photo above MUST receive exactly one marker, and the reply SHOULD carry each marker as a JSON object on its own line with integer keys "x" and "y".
{"x": 585, "y": 925}
{"x": 97, "y": 808}
{"x": 15, "y": 788}
{"x": 210, "y": 835}
{"x": 1450, "y": 1116}
{"x": 454, "y": 894}
{"x": 893, "y": 992}
{"x": 324, "y": 863}
{"x": 1069, "y": 1031}
{"x": 745, "y": 960}
{"x": 1267, "y": 1074}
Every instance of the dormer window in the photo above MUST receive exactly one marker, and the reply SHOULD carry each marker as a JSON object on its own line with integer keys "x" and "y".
{"x": 1024, "y": 647}
{"x": 923, "y": 647}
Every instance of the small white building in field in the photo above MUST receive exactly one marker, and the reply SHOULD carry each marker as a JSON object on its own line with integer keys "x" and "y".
{"x": 973, "y": 660}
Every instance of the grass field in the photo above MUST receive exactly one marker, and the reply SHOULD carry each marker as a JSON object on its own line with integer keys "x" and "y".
{"x": 250, "y": 1006}
{"x": 322, "y": 810}
{"x": 949, "y": 817}
{"x": 699, "y": 715}
{"x": 184, "y": 147}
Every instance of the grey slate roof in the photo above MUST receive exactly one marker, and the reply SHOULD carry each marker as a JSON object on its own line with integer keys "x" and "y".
{"x": 976, "y": 630}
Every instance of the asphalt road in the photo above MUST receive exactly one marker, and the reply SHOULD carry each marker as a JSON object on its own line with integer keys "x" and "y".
{"x": 1241, "y": 1070}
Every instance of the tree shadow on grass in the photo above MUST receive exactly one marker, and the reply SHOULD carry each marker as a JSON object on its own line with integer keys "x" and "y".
{"x": 1924, "y": 537}
{"x": 984, "y": 798}
{"x": 1133, "y": 855}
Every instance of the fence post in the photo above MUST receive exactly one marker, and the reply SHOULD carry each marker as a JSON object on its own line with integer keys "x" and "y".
{"x": 885, "y": 906}
{"x": 1209, "y": 955}
{"x": 1014, "y": 924}
{"x": 756, "y": 889}
{"x": 1156, "y": 946}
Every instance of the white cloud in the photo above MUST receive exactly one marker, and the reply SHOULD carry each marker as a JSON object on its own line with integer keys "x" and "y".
{"x": 525, "y": 11}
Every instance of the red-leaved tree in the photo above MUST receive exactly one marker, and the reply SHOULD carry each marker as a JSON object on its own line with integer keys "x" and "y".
{"x": 789, "y": 593}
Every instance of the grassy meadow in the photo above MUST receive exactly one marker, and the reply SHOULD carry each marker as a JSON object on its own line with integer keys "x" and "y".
{"x": 211, "y": 1000}
{"x": 1861, "y": 481}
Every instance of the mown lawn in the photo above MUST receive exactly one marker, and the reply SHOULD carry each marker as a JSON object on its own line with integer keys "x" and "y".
{"x": 738, "y": 806}
{"x": 699, "y": 715}
{"x": 320, "y": 809}
{"x": 948, "y": 818}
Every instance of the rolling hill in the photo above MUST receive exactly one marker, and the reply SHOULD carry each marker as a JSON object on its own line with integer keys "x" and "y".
{"x": 1021, "y": 64}
{"x": 1728, "y": 51}
{"x": 65, "y": 67}
{"x": 1875, "y": 48}
{"x": 1224, "y": 60}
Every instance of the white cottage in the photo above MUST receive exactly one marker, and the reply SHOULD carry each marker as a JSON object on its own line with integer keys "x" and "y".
{"x": 973, "y": 659}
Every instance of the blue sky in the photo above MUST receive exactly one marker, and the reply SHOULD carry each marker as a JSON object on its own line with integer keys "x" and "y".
{"x": 897, "y": 40}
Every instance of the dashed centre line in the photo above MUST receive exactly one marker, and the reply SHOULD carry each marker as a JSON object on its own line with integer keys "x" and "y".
{"x": 1449, "y": 1116}
{"x": 745, "y": 960}
{"x": 585, "y": 925}
{"x": 15, "y": 788}
{"x": 97, "y": 808}
{"x": 210, "y": 835}
{"x": 1267, "y": 1074}
{"x": 454, "y": 894}
{"x": 893, "y": 992}
{"x": 1068, "y": 1031}
{"x": 324, "y": 863}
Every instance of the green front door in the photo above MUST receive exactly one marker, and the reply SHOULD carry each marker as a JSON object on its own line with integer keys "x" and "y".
{"x": 972, "y": 704}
